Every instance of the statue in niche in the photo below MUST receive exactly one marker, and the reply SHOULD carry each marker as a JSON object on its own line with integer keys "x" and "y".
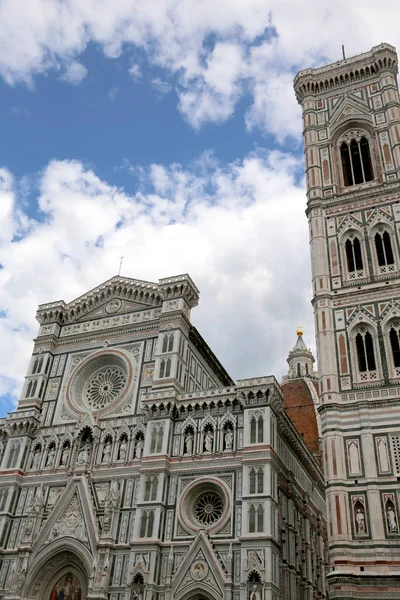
{"x": 36, "y": 459}
{"x": 255, "y": 593}
{"x": 64, "y": 456}
{"x": 360, "y": 521}
{"x": 391, "y": 519}
{"x": 50, "y": 457}
{"x": 106, "y": 457}
{"x": 123, "y": 447}
{"x": 208, "y": 442}
{"x": 110, "y": 505}
{"x": 83, "y": 454}
{"x": 228, "y": 440}
{"x": 139, "y": 448}
{"x": 189, "y": 442}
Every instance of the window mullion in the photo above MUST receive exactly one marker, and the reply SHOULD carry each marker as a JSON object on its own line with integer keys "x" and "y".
{"x": 351, "y": 164}
{"x": 361, "y": 161}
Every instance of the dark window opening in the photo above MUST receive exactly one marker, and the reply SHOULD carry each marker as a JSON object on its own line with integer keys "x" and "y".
{"x": 384, "y": 250}
{"x": 353, "y": 255}
{"x": 365, "y": 352}
{"x": 394, "y": 336}
{"x": 356, "y": 162}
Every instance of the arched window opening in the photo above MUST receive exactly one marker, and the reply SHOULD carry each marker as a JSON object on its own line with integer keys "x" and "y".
{"x": 298, "y": 370}
{"x": 150, "y": 523}
{"x": 356, "y": 161}
{"x": 260, "y": 481}
{"x": 260, "y": 518}
{"x": 165, "y": 343}
{"x": 252, "y": 481}
{"x": 150, "y": 489}
{"x": 168, "y": 368}
{"x": 353, "y": 254}
{"x": 307, "y": 370}
{"x": 143, "y": 525}
{"x": 394, "y": 336}
{"x": 384, "y": 250}
{"x": 34, "y": 386}
{"x": 162, "y": 369}
{"x": 160, "y": 434}
{"x": 256, "y": 429}
{"x": 365, "y": 351}
{"x": 29, "y": 389}
{"x": 171, "y": 342}
{"x": 252, "y": 519}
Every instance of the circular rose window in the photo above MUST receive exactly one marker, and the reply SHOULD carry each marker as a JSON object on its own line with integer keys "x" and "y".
{"x": 100, "y": 382}
{"x": 205, "y": 504}
{"x": 105, "y": 387}
{"x": 208, "y": 508}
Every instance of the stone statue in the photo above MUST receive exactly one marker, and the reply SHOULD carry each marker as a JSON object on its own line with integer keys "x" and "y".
{"x": 106, "y": 452}
{"x": 64, "y": 456}
{"x": 83, "y": 454}
{"x": 189, "y": 443}
{"x": 36, "y": 459}
{"x": 50, "y": 457}
{"x": 208, "y": 442}
{"x": 392, "y": 521}
{"x": 360, "y": 518}
{"x": 123, "y": 447}
{"x": 255, "y": 594}
{"x": 139, "y": 448}
{"x": 228, "y": 440}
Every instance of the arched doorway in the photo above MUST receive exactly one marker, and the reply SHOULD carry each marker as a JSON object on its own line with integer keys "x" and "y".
{"x": 67, "y": 584}
{"x": 58, "y": 575}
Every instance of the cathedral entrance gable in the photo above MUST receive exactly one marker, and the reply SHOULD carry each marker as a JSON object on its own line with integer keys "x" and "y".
{"x": 73, "y": 516}
{"x": 200, "y": 570}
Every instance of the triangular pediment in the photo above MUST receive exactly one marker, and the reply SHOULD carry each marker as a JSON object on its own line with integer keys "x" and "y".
{"x": 349, "y": 108}
{"x": 201, "y": 567}
{"x": 72, "y": 516}
{"x": 114, "y": 307}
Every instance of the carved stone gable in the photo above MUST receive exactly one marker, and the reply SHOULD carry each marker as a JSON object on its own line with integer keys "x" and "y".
{"x": 70, "y": 523}
{"x": 200, "y": 566}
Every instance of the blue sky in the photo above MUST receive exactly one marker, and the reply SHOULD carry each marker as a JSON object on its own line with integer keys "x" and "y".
{"x": 168, "y": 132}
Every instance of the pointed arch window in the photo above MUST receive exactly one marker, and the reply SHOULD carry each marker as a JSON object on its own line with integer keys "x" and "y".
{"x": 256, "y": 481}
{"x": 365, "y": 351}
{"x": 383, "y": 247}
{"x": 353, "y": 254}
{"x": 256, "y": 519}
{"x": 394, "y": 338}
{"x": 150, "y": 488}
{"x": 356, "y": 161}
{"x": 256, "y": 429}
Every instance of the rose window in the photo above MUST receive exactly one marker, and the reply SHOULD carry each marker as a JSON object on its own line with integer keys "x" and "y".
{"x": 105, "y": 387}
{"x": 101, "y": 382}
{"x": 208, "y": 508}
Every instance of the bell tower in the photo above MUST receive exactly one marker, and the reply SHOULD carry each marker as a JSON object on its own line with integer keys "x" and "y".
{"x": 351, "y": 128}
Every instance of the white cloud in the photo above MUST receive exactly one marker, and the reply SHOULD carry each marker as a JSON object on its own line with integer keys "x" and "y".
{"x": 135, "y": 72}
{"x": 216, "y": 49}
{"x": 113, "y": 92}
{"x": 161, "y": 87}
{"x": 74, "y": 73}
{"x": 222, "y": 224}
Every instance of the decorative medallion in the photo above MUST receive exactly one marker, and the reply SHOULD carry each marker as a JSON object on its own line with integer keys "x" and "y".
{"x": 113, "y": 306}
{"x": 199, "y": 570}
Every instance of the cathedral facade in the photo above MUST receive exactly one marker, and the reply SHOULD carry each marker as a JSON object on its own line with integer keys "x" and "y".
{"x": 135, "y": 468}
{"x": 351, "y": 121}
